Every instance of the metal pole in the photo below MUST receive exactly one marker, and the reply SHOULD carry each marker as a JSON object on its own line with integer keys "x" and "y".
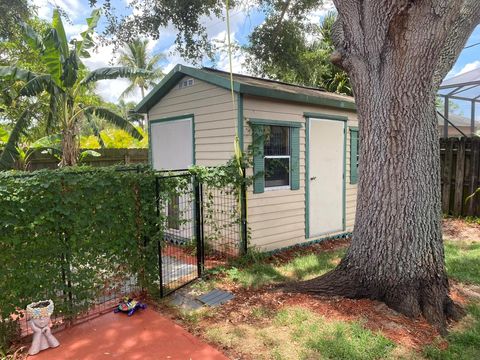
{"x": 159, "y": 245}
{"x": 472, "y": 126}
{"x": 198, "y": 226}
{"x": 243, "y": 195}
{"x": 445, "y": 120}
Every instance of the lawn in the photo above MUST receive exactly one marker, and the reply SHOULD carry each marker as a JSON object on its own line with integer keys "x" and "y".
{"x": 263, "y": 323}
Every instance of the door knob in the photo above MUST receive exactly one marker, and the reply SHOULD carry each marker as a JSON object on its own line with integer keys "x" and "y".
{"x": 313, "y": 178}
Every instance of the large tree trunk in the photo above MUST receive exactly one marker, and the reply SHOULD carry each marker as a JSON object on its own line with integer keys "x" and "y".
{"x": 391, "y": 50}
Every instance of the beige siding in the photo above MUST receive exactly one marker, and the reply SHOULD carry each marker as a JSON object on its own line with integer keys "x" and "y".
{"x": 277, "y": 217}
{"x": 215, "y": 119}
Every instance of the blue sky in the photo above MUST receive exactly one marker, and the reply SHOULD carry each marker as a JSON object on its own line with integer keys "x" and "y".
{"x": 243, "y": 20}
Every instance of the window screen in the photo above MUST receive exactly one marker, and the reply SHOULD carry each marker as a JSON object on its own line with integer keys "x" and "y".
{"x": 277, "y": 156}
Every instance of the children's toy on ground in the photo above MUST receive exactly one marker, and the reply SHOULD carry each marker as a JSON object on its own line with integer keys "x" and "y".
{"x": 129, "y": 306}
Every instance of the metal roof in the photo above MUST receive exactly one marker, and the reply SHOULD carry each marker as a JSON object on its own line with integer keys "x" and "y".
{"x": 465, "y": 86}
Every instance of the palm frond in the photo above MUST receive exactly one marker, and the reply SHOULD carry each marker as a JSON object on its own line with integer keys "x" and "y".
{"x": 114, "y": 119}
{"x": 10, "y": 152}
{"x": 128, "y": 91}
{"x": 114, "y": 72}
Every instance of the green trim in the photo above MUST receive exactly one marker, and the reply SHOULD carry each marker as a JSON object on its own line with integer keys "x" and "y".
{"x": 179, "y": 71}
{"x": 353, "y": 155}
{"x": 325, "y": 116}
{"x": 240, "y": 120}
{"x": 171, "y": 79}
{"x": 294, "y": 158}
{"x": 258, "y": 160}
{"x": 307, "y": 179}
{"x": 168, "y": 119}
{"x": 291, "y": 124}
{"x": 173, "y": 118}
{"x": 295, "y": 97}
{"x": 343, "y": 235}
{"x": 307, "y": 173}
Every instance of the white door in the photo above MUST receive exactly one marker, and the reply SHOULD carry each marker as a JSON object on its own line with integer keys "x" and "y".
{"x": 326, "y": 176}
{"x": 172, "y": 144}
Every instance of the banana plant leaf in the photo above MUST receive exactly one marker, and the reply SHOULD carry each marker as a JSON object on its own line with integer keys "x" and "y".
{"x": 114, "y": 119}
{"x": 10, "y": 151}
{"x": 82, "y": 46}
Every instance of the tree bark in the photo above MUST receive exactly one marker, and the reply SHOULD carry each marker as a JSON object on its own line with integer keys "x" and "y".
{"x": 69, "y": 147}
{"x": 392, "y": 50}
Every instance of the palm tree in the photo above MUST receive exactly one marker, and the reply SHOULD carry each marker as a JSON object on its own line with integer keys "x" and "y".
{"x": 135, "y": 55}
{"x": 69, "y": 85}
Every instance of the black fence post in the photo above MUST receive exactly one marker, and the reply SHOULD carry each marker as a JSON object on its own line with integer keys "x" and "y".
{"x": 199, "y": 225}
{"x": 243, "y": 205}
{"x": 159, "y": 245}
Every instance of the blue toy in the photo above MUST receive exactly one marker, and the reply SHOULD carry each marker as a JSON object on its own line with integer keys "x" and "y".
{"x": 129, "y": 306}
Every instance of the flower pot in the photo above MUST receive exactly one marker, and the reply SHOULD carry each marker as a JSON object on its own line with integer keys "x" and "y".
{"x": 38, "y": 315}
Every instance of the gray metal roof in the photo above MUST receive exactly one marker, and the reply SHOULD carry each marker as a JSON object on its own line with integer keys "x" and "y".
{"x": 465, "y": 86}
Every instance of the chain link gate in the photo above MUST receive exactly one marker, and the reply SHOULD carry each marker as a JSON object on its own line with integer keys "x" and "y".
{"x": 201, "y": 227}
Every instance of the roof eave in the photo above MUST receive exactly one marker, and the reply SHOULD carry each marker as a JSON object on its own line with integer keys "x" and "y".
{"x": 171, "y": 79}
{"x": 296, "y": 97}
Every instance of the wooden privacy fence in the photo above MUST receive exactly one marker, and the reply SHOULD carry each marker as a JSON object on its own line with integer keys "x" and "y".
{"x": 107, "y": 157}
{"x": 460, "y": 175}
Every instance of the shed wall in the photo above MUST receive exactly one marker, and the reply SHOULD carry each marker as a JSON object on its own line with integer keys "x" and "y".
{"x": 214, "y": 119}
{"x": 277, "y": 217}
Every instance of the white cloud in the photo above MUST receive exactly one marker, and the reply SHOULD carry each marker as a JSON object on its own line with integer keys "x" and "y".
{"x": 469, "y": 67}
{"x": 73, "y": 8}
{"x": 317, "y": 15}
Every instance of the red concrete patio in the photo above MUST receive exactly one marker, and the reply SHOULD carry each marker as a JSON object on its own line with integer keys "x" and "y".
{"x": 145, "y": 335}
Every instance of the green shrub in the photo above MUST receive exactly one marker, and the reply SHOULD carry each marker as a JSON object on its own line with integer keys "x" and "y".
{"x": 9, "y": 332}
{"x": 67, "y": 235}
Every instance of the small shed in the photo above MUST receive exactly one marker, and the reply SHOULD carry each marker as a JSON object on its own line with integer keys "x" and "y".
{"x": 305, "y": 145}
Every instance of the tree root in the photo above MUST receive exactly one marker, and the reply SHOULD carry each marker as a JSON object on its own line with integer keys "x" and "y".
{"x": 427, "y": 299}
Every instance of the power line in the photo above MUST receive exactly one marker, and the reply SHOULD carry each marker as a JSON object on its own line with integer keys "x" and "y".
{"x": 469, "y": 46}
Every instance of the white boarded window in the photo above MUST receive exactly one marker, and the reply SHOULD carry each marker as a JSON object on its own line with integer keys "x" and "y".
{"x": 172, "y": 144}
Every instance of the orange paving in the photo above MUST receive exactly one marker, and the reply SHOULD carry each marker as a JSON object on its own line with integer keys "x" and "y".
{"x": 145, "y": 335}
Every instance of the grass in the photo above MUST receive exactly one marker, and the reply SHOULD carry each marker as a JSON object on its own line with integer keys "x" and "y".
{"x": 303, "y": 267}
{"x": 297, "y": 333}
{"x": 462, "y": 260}
{"x": 464, "y": 342}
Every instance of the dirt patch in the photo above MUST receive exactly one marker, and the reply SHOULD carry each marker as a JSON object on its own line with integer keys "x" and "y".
{"x": 459, "y": 230}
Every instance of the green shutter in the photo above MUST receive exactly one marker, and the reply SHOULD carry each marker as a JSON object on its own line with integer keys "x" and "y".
{"x": 353, "y": 156}
{"x": 258, "y": 160}
{"x": 295, "y": 158}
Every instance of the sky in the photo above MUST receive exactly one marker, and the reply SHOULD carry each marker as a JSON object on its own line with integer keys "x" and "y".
{"x": 242, "y": 20}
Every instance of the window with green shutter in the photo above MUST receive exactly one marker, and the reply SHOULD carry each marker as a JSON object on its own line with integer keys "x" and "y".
{"x": 354, "y": 146}
{"x": 276, "y": 159}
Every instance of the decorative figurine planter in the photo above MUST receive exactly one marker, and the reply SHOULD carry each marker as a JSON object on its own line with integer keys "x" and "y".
{"x": 39, "y": 314}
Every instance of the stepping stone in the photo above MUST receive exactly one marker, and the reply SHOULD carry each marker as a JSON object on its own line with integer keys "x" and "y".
{"x": 216, "y": 297}
{"x": 185, "y": 302}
